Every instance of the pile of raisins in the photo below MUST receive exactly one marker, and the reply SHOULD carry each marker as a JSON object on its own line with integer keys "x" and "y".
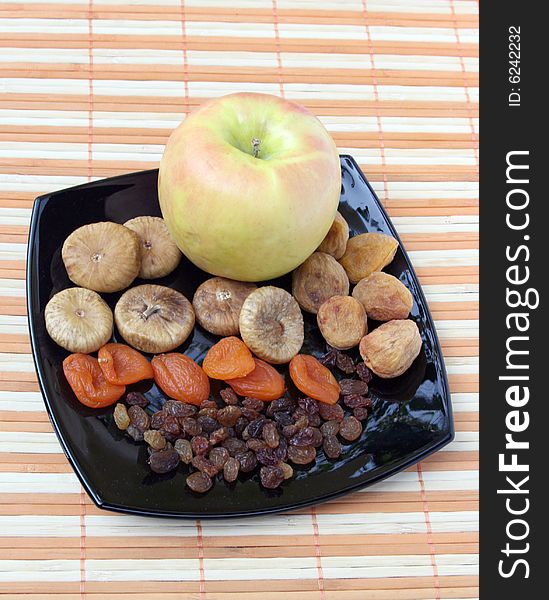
{"x": 237, "y": 435}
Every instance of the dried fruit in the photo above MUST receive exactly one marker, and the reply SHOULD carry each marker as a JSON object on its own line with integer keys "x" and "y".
{"x": 350, "y": 429}
{"x": 390, "y": 349}
{"x": 158, "y": 252}
{"x": 123, "y": 365}
{"x": 304, "y": 437}
{"x": 219, "y": 435}
{"x": 314, "y": 379}
{"x": 355, "y": 401}
{"x": 199, "y": 482}
{"x": 154, "y": 318}
{"x": 320, "y": 277}
{"x": 271, "y": 324}
{"x": 229, "y": 396}
{"x": 88, "y": 382}
{"x": 228, "y": 359}
{"x": 139, "y": 418}
{"x": 231, "y": 469}
{"x": 360, "y": 413}
{"x": 217, "y": 303}
{"x": 234, "y": 446}
{"x": 135, "y": 434}
{"x": 121, "y": 418}
{"x": 206, "y": 466}
{"x": 271, "y": 477}
{"x": 342, "y": 322}
{"x": 384, "y": 297}
{"x": 337, "y": 237}
{"x": 270, "y": 434}
{"x": 229, "y": 415}
{"x": 329, "y": 428}
{"x": 135, "y": 398}
{"x": 192, "y": 426}
{"x": 155, "y": 439}
{"x": 263, "y": 383}
{"x": 353, "y": 386}
{"x": 287, "y": 470}
{"x": 181, "y": 378}
{"x": 184, "y": 449}
{"x": 331, "y": 446}
{"x": 331, "y": 412}
{"x": 104, "y": 257}
{"x": 78, "y": 320}
{"x": 178, "y": 409}
{"x": 219, "y": 456}
{"x": 345, "y": 363}
{"x": 164, "y": 461}
{"x": 200, "y": 445}
{"x": 366, "y": 253}
{"x": 363, "y": 372}
{"x": 247, "y": 460}
{"x": 301, "y": 455}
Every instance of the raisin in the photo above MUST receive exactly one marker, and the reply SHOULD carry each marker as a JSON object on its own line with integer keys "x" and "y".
{"x": 302, "y": 421}
{"x": 255, "y": 444}
{"x": 206, "y": 424}
{"x": 247, "y": 460}
{"x": 360, "y": 413}
{"x": 281, "y": 450}
{"x": 199, "y": 482}
{"x": 170, "y": 428}
{"x": 229, "y": 415}
{"x": 331, "y": 412}
{"x": 218, "y": 436}
{"x": 350, "y": 429}
{"x": 184, "y": 449}
{"x": 134, "y": 433}
{"x": 329, "y": 359}
{"x": 228, "y": 396}
{"x": 231, "y": 469}
{"x": 121, "y": 417}
{"x": 267, "y": 456}
{"x": 287, "y": 470}
{"x": 315, "y": 420}
{"x": 289, "y": 430}
{"x": 164, "y": 461}
{"x": 270, "y": 434}
{"x": 208, "y": 412}
{"x": 345, "y": 363}
{"x": 178, "y": 409}
{"x": 208, "y": 403}
{"x": 317, "y": 437}
{"x": 205, "y": 465}
{"x": 199, "y": 444}
{"x": 251, "y": 414}
{"x": 331, "y": 447}
{"x": 255, "y": 428}
{"x": 280, "y": 404}
{"x": 138, "y": 418}
{"x": 329, "y": 428}
{"x": 137, "y": 399}
{"x": 191, "y": 426}
{"x": 353, "y": 387}
{"x": 240, "y": 425}
{"x": 304, "y": 437}
{"x": 219, "y": 456}
{"x": 157, "y": 419}
{"x": 253, "y": 404}
{"x": 283, "y": 418}
{"x": 271, "y": 477}
{"x": 308, "y": 405}
{"x": 155, "y": 439}
{"x": 354, "y": 401}
{"x": 301, "y": 455}
{"x": 234, "y": 446}
{"x": 364, "y": 372}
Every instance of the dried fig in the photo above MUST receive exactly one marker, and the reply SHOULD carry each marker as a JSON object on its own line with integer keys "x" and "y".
{"x": 391, "y": 348}
{"x": 384, "y": 297}
{"x": 154, "y": 318}
{"x": 217, "y": 303}
{"x": 366, "y": 253}
{"x": 79, "y": 320}
{"x": 271, "y": 324}
{"x": 336, "y": 239}
{"x": 104, "y": 257}
{"x": 320, "y": 277}
{"x": 342, "y": 322}
{"x": 159, "y": 253}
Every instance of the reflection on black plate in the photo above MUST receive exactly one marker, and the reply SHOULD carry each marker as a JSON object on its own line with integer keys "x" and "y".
{"x": 411, "y": 415}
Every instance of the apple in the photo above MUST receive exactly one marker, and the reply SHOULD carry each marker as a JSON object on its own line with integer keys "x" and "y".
{"x": 249, "y": 185}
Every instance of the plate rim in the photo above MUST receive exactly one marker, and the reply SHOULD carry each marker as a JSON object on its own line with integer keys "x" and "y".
{"x": 413, "y": 459}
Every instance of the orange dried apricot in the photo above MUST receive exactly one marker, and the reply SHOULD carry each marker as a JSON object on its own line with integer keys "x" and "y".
{"x": 314, "y": 379}
{"x": 88, "y": 381}
{"x": 264, "y": 382}
{"x": 228, "y": 359}
{"x": 179, "y": 377}
{"x": 123, "y": 365}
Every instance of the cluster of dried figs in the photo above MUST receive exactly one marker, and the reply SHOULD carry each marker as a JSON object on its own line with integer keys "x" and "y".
{"x": 240, "y": 433}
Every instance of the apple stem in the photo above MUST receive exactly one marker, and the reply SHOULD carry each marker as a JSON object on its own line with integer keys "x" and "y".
{"x": 256, "y": 143}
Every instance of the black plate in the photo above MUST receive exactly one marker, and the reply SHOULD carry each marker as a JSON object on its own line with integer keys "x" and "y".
{"x": 411, "y": 416}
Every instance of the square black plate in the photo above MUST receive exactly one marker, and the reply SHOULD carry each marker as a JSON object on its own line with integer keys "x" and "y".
{"x": 411, "y": 416}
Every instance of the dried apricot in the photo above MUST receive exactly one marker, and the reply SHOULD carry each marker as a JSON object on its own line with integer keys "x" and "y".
{"x": 263, "y": 383}
{"x": 314, "y": 379}
{"x": 123, "y": 365}
{"x": 227, "y": 359}
{"x": 179, "y": 377}
{"x": 88, "y": 381}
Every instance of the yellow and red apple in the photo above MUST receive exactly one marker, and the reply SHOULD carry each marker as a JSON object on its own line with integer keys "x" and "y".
{"x": 249, "y": 185}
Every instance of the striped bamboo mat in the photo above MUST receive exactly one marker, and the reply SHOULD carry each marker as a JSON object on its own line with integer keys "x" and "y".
{"x": 92, "y": 89}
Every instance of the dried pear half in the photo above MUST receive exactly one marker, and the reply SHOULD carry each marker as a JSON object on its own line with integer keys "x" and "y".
{"x": 337, "y": 237}
{"x": 366, "y": 253}
{"x": 217, "y": 303}
{"x": 154, "y": 318}
{"x": 271, "y": 324}
{"x": 78, "y": 320}
{"x": 104, "y": 256}
{"x": 320, "y": 277}
{"x": 159, "y": 253}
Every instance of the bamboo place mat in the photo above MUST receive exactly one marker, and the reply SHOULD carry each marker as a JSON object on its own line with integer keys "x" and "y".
{"x": 93, "y": 89}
